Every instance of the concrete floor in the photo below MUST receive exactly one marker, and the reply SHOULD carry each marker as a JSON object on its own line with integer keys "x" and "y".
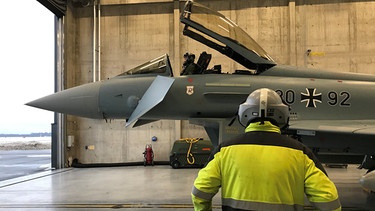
{"x": 138, "y": 188}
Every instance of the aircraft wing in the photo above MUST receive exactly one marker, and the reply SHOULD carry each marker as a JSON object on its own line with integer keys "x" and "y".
{"x": 310, "y": 127}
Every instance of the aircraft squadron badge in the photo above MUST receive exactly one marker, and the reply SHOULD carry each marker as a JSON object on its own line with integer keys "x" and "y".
{"x": 189, "y": 90}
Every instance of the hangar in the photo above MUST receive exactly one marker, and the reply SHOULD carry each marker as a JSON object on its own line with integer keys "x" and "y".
{"x": 96, "y": 40}
{"x": 99, "y": 40}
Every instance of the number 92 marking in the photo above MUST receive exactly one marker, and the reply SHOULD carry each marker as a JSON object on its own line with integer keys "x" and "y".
{"x": 342, "y": 99}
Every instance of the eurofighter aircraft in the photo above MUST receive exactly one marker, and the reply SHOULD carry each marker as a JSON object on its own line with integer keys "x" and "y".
{"x": 331, "y": 112}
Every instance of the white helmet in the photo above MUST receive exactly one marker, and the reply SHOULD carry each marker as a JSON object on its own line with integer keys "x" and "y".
{"x": 266, "y": 105}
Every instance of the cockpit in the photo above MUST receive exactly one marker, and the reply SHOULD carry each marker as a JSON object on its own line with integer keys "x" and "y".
{"x": 201, "y": 67}
{"x": 217, "y": 32}
{"x": 161, "y": 66}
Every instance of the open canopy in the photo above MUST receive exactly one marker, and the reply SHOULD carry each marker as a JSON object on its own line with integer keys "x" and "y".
{"x": 218, "y": 32}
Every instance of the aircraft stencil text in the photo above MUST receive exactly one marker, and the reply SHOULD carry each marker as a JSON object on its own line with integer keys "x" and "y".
{"x": 310, "y": 97}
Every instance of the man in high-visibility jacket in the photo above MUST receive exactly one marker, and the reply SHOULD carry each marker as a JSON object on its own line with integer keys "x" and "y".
{"x": 262, "y": 169}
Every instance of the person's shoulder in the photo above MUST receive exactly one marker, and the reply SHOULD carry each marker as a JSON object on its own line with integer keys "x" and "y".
{"x": 296, "y": 144}
{"x": 239, "y": 139}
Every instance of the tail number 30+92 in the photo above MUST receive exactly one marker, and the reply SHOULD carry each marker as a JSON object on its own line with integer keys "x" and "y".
{"x": 333, "y": 98}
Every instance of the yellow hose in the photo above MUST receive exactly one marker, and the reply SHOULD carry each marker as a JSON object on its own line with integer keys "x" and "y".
{"x": 189, "y": 156}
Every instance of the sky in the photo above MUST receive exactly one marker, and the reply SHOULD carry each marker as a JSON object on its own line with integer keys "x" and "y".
{"x": 26, "y": 65}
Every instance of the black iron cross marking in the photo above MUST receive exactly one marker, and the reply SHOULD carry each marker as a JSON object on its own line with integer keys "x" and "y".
{"x": 311, "y": 97}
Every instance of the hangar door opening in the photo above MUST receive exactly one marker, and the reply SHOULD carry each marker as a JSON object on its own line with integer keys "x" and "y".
{"x": 27, "y": 73}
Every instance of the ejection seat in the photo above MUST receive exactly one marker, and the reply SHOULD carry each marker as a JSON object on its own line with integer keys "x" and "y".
{"x": 203, "y": 61}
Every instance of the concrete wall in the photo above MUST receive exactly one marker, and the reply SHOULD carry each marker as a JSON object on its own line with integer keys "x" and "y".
{"x": 339, "y": 35}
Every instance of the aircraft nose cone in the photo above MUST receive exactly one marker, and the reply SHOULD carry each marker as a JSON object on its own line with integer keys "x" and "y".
{"x": 79, "y": 101}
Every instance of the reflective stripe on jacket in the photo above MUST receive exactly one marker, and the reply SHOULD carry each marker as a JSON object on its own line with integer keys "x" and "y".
{"x": 263, "y": 170}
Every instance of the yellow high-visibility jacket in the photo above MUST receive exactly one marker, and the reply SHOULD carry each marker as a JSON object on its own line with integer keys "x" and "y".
{"x": 264, "y": 170}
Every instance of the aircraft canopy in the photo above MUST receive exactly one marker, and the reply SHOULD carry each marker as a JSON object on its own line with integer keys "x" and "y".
{"x": 216, "y": 31}
{"x": 158, "y": 66}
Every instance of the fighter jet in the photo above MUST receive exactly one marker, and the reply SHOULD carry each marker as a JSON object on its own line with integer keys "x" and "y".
{"x": 330, "y": 111}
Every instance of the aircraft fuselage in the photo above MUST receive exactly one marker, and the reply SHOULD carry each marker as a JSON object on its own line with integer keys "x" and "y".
{"x": 218, "y": 96}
